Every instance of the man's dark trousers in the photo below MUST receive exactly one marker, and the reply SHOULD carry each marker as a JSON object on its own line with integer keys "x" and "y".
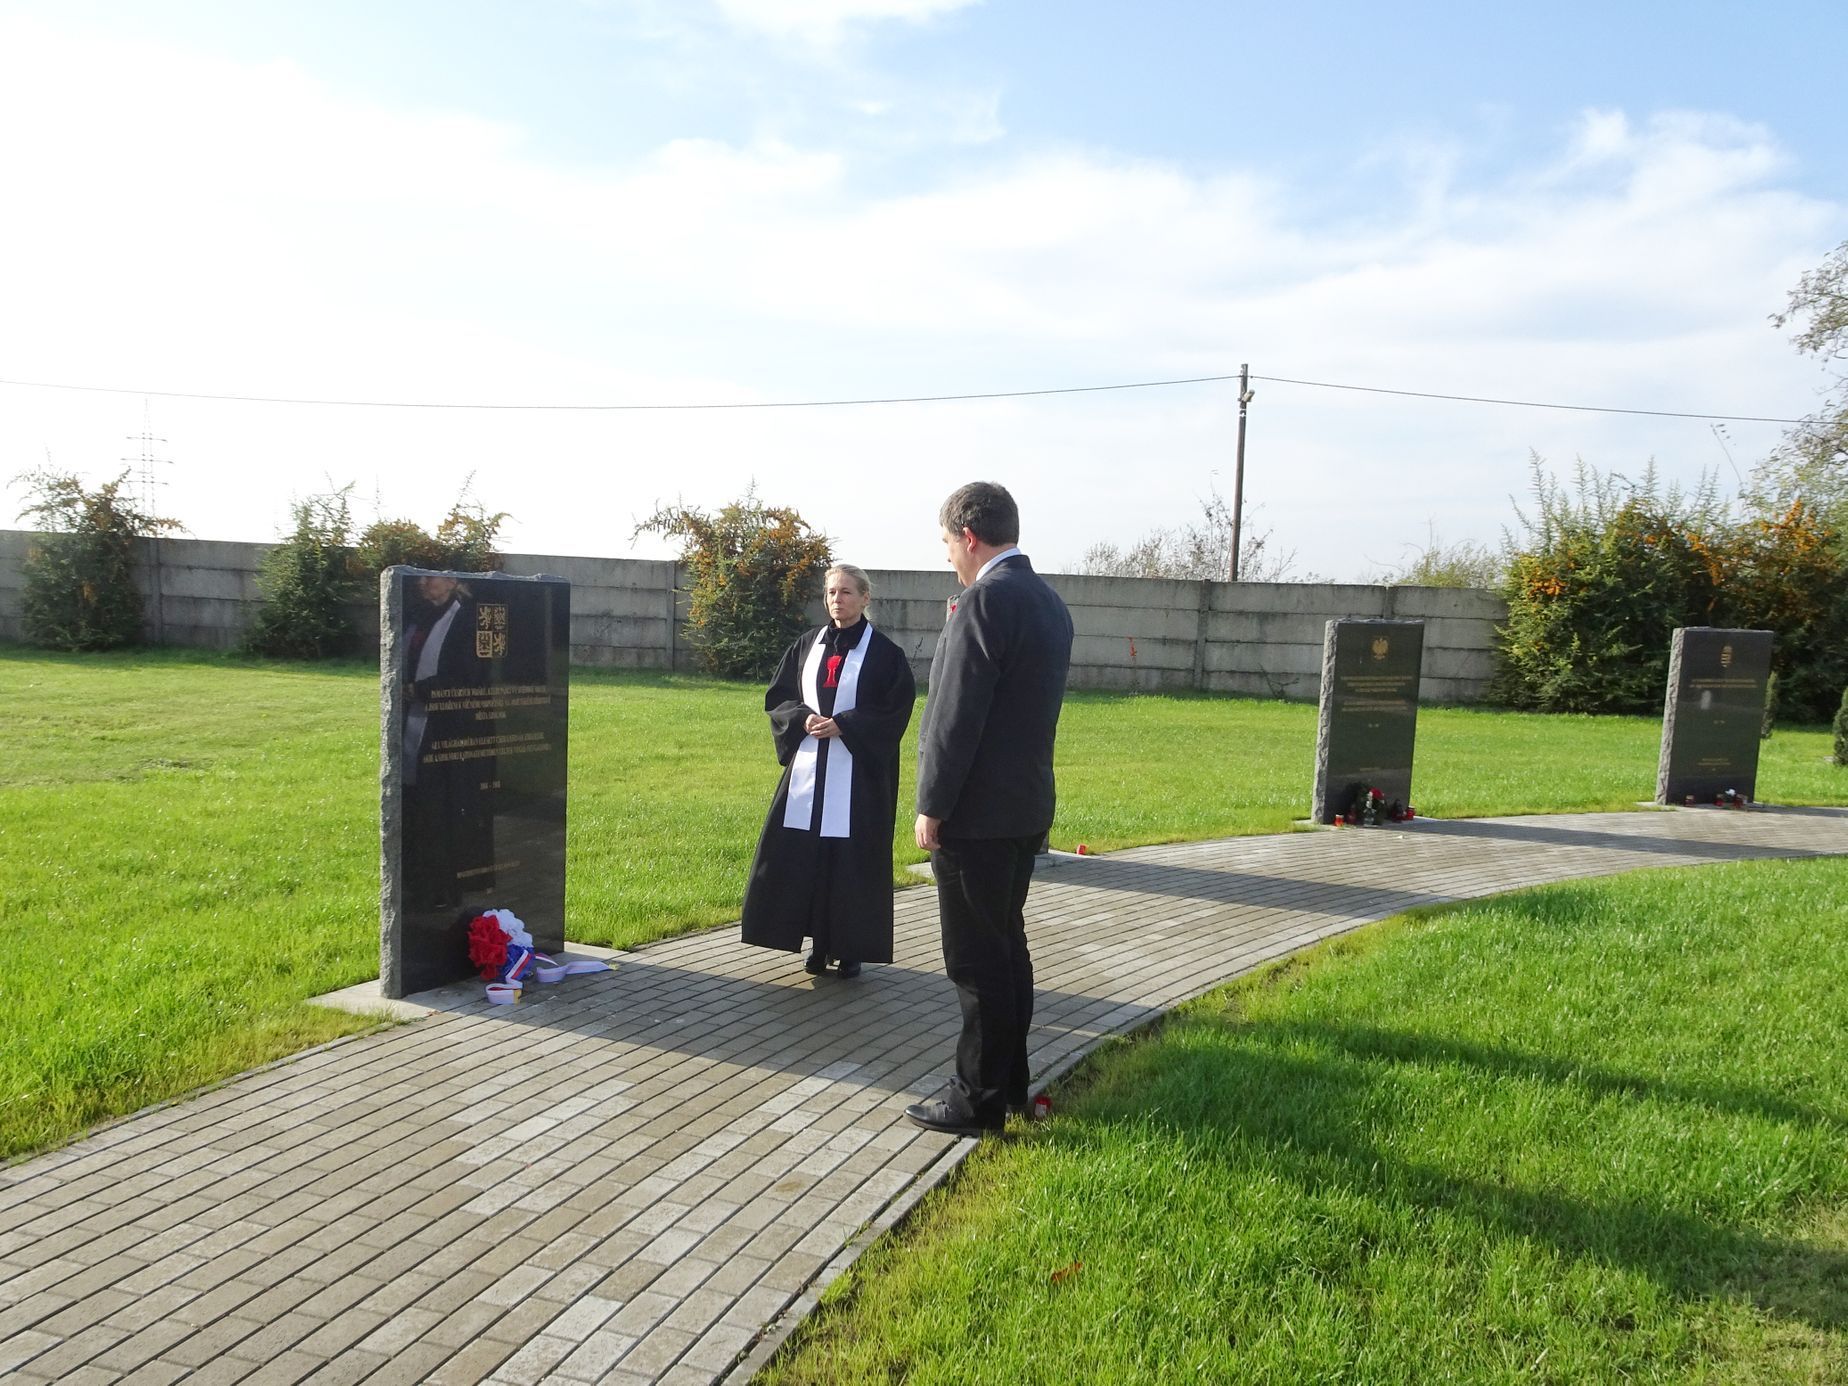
{"x": 985, "y": 751}
{"x": 981, "y": 900}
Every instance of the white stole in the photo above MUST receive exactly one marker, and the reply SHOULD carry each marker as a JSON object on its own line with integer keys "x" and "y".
{"x": 837, "y": 805}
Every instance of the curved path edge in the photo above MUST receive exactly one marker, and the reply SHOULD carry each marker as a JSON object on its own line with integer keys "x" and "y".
{"x": 652, "y": 1174}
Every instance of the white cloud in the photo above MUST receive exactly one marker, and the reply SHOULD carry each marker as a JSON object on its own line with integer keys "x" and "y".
{"x": 190, "y": 223}
{"x": 824, "y": 20}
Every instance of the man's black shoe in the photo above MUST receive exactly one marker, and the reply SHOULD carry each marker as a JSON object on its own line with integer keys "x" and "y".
{"x": 849, "y": 969}
{"x": 951, "y": 1111}
{"x": 817, "y": 963}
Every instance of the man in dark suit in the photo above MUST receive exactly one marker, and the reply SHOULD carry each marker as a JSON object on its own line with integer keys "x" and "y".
{"x": 985, "y": 795}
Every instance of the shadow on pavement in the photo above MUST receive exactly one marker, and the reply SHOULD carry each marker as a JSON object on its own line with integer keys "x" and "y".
{"x": 1563, "y": 836}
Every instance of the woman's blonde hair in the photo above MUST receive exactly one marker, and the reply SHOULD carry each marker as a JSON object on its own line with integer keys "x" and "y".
{"x": 860, "y": 579}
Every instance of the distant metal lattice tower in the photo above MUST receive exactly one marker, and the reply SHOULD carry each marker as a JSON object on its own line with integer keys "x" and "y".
{"x": 147, "y": 480}
{"x": 147, "y": 483}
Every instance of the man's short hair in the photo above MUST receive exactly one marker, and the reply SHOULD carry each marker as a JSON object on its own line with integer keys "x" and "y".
{"x": 984, "y": 507}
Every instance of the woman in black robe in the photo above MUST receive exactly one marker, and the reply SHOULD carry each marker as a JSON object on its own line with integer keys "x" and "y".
{"x": 839, "y": 706}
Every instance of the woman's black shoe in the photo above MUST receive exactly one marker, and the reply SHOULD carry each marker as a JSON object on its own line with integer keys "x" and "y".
{"x": 849, "y": 969}
{"x": 817, "y": 963}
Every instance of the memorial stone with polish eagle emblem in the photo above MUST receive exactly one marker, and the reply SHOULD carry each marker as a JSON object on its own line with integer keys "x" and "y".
{"x": 1368, "y": 723}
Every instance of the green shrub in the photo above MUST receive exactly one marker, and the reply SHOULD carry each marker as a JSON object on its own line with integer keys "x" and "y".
{"x": 1783, "y": 567}
{"x": 463, "y": 543}
{"x": 311, "y": 580}
{"x": 80, "y": 591}
{"x": 1437, "y": 564}
{"x": 306, "y": 583}
{"x": 1815, "y": 663}
{"x": 1786, "y": 572}
{"x": 1595, "y": 593}
{"x": 387, "y": 542}
{"x": 465, "y": 537}
{"x": 1841, "y": 731}
{"x": 1768, "y": 723}
{"x": 754, "y": 568}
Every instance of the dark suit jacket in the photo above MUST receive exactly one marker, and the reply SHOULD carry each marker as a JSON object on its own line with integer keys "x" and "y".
{"x": 996, "y": 685}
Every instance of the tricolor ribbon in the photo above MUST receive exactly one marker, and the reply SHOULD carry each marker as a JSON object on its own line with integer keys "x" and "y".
{"x": 524, "y": 963}
{"x": 530, "y": 966}
{"x": 548, "y": 971}
{"x": 519, "y": 962}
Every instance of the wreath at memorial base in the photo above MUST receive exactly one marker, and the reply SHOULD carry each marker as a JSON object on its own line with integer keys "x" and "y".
{"x": 499, "y": 945}
{"x": 1371, "y": 808}
{"x": 1726, "y": 798}
{"x": 501, "y": 950}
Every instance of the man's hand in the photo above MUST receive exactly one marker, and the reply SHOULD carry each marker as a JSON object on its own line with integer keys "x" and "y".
{"x": 820, "y": 727}
{"x": 927, "y": 832}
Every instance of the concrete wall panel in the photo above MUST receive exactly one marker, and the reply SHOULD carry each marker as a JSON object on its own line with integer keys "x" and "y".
{"x": 1426, "y": 603}
{"x": 637, "y": 602}
{"x": 1260, "y": 639}
{"x": 1121, "y": 652}
{"x": 1149, "y": 623}
{"x": 615, "y": 657}
{"x": 1117, "y": 678}
{"x": 225, "y": 584}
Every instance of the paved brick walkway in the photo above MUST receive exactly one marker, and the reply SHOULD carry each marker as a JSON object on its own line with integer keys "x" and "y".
{"x": 648, "y": 1175}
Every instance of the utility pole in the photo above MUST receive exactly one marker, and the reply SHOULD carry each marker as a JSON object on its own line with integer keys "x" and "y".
{"x": 1238, "y": 468}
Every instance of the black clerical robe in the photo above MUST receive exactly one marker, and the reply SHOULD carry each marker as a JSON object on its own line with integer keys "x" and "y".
{"x": 824, "y": 862}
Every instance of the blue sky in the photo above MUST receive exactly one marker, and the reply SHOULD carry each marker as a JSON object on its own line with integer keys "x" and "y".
{"x": 638, "y": 201}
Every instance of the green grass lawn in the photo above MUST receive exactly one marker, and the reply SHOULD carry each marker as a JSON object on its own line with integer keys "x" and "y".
{"x": 189, "y": 844}
{"x": 1596, "y": 1132}
{"x": 1140, "y": 769}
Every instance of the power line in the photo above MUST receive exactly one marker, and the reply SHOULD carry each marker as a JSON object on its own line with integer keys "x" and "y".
{"x": 1528, "y": 403}
{"x": 889, "y": 399}
{"x": 610, "y": 408}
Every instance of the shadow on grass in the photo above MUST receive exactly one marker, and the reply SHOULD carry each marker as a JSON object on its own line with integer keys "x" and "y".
{"x": 1369, "y": 1042}
{"x": 1266, "y": 1105}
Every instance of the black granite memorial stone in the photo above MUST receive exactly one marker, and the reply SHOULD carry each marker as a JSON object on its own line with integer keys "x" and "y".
{"x": 474, "y": 698}
{"x": 1713, "y": 715}
{"x": 1369, "y": 713}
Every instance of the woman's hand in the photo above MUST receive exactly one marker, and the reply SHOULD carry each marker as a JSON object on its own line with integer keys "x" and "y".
{"x": 820, "y": 727}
